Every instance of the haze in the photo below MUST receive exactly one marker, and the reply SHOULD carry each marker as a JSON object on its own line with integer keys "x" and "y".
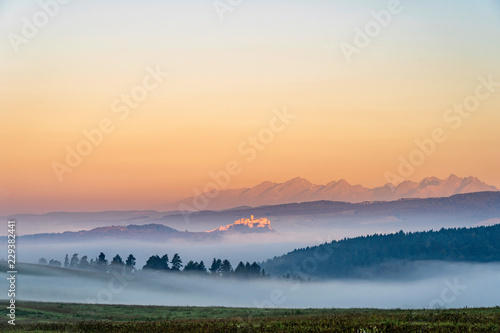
{"x": 445, "y": 286}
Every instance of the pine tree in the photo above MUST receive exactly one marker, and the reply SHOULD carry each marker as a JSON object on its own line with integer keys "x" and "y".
{"x": 84, "y": 263}
{"x": 226, "y": 268}
{"x": 240, "y": 269}
{"x": 117, "y": 260}
{"x": 55, "y": 263}
{"x": 216, "y": 266}
{"x": 102, "y": 263}
{"x": 191, "y": 266}
{"x": 176, "y": 262}
{"x": 153, "y": 263}
{"x": 164, "y": 263}
{"x": 117, "y": 263}
{"x": 74, "y": 261}
{"x": 130, "y": 263}
{"x": 66, "y": 261}
{"x": 201, "y": 267}
{"x": 254, "y": 269}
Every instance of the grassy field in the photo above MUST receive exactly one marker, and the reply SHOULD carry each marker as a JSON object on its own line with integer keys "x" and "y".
{"x": 62, "y": 317}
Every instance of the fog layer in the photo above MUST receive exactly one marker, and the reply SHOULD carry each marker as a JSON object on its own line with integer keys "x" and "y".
{"x": 452, "y": 286}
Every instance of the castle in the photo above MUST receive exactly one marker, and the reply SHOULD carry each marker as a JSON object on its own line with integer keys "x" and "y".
{"x": 250, "y": 223}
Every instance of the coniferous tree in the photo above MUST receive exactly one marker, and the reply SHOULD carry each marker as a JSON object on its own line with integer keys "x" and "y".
{"x": 117, "y": 260}
{"x": 84, "y": 263}
{"x": 55, "y": 263}
{"x": 254, "y": 270}
{"x": 240, "y": 270}
{"x": 153, "y": 263}
{"x": 201, "y": 267}
{"x": 74, "y": 261}
{"x": 66, "y": 260}
{"x": 130, "y": 263}
{"x": 101, "y": 263}
{"x": 117, "y": 263}
{"x": 226, "y": 268}
{"x": 176, "y": 262}
{"x": 164, "y": 263}
{"x": 216, "y": 266}
{"x": 191, "y": 266}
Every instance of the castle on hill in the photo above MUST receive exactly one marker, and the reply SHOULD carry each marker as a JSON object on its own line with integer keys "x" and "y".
{"x": 249, "y": 225}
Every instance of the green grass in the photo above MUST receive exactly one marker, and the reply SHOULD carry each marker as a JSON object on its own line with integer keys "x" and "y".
{"x": 63, "y": 317}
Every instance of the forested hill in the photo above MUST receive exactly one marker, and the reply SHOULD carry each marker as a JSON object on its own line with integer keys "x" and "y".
{"x": 379, "y": 254}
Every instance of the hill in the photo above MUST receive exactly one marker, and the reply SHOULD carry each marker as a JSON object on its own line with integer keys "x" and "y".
{"x": 384, "y": 255}
{"x": 153, "y": 232}
{"x": 458, "y": 210}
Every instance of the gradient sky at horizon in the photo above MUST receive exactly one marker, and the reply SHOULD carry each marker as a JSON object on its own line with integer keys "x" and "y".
{"x": 352, "y": 121}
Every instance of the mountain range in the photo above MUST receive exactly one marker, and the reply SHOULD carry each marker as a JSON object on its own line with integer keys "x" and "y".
{"x": 301, "y": 190}
{"x": 459, "y": 210}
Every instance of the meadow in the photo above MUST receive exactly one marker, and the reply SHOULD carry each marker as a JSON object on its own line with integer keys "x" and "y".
{"x": 70, "y": 317}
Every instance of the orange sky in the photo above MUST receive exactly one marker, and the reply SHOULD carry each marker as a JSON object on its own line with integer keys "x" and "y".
{"x": 351, "y": 120}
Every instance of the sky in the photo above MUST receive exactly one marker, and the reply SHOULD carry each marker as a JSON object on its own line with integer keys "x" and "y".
{"x": 274, "y": 89}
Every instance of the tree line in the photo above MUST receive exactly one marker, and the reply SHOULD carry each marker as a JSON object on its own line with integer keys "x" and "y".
{"x": 219, "y": 267}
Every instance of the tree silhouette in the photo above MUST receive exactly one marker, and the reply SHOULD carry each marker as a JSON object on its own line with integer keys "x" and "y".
{"x": 247, "y": 270}
{"x": 130, "y": 263}
{"x": 254, "y": 270}
{"x": 117, "y": 263}
{"x": 102, "y": 263}
{"x": 240, "y": 269}
{"x": 84, "y": 263}
{"x": 191, "y": 266}
{"x": 55, "y": 263}
{"x": 164, "y": 262}
{"x": 201, "y": 267}
{"x": 153, "y": 263}
{"x": 216, "y": 266}
{"x": 66, "y": 261}
{"x": 226, "y": 268}
{"x": 74, "y": 261}
{"x": 156, "y": 263}
{"x": 117, "y": 260}
{"x": 195, "y": 267}
{"x": 42, "y": 261}
{"x": 176, "y": 262}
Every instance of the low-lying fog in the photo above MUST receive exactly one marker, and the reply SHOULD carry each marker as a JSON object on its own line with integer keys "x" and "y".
{"x": 451, "y": 286}
{"x": 235, "y": 250}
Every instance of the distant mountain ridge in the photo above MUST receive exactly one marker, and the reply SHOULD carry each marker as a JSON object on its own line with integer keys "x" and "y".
{"x": 301, "y": 190}
{"x": 155, "y": 231}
